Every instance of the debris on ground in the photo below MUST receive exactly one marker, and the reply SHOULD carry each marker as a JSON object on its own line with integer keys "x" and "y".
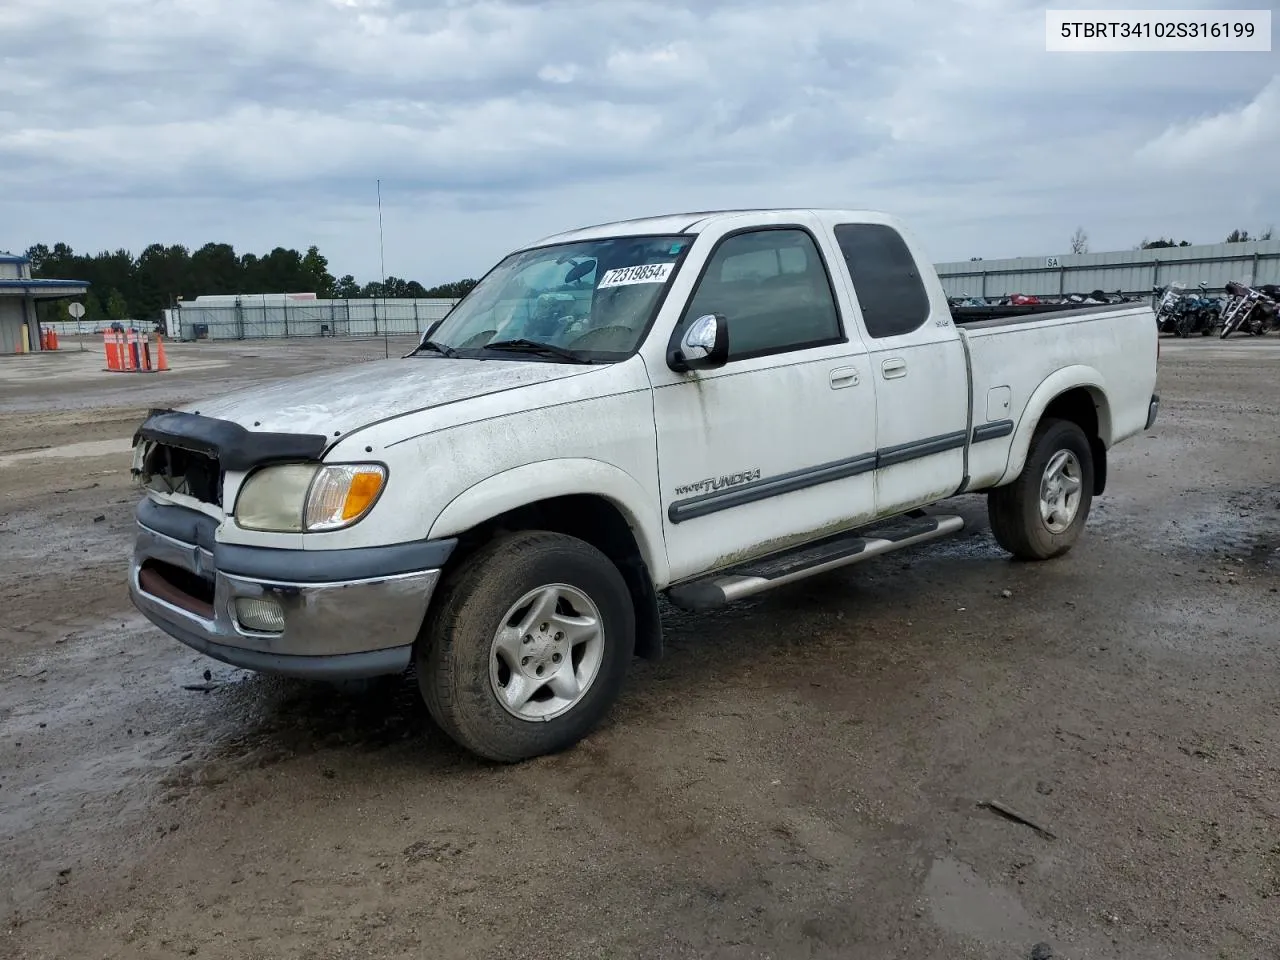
{"x": 1010, "y": 814}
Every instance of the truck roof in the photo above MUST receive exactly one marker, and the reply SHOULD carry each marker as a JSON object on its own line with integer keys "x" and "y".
{"x": 691, "y": 222}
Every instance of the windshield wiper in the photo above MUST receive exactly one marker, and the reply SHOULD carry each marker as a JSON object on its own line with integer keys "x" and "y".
{"x": 522, "y": 345}
{"x": 441, "y": 348}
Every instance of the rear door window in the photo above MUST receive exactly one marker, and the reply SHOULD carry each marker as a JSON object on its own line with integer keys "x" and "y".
{"x": 885, "y": 278}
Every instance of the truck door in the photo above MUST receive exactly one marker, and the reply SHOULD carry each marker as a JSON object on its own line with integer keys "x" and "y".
{"x": 918, "y": 366}
{"x": 776, "y": 446}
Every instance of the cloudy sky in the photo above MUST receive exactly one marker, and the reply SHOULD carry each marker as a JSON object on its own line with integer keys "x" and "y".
{"x": 491, "y": 123}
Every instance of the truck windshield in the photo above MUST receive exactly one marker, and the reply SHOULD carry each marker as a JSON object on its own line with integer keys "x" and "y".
{"x": 587, "y": 301}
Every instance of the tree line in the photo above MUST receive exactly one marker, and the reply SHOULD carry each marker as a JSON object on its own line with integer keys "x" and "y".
{"x": 1080, "y": 240}
{"x": 125, "y": 287}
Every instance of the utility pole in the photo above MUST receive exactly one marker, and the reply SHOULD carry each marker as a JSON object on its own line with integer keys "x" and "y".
{"x": 382, "y": 257}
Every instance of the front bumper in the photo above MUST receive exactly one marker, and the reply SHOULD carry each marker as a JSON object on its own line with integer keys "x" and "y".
{"x": 346, "y": 614}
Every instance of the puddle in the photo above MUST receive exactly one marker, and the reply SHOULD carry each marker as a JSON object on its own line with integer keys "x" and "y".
{"x": 963, "y": 904}
{"x": 87, "y": 448}
{"x": 1235, "y": 528}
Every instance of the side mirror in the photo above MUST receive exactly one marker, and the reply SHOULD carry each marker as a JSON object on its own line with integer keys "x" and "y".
{"x": 704, "y": 345}
{"x": 432, "y": 327}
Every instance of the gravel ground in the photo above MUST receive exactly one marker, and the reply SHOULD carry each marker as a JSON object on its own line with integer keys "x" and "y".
{"x": 802, "y": 776}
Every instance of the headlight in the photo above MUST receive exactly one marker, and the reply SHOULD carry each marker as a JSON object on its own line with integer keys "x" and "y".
{"x": 297, "y": 498}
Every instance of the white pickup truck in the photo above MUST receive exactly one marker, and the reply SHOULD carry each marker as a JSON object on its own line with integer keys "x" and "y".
{"x": 703, "y": 406}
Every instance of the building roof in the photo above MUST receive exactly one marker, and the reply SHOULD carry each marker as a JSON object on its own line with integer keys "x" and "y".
{"x": 39, "y": 289}
{"x": 13, "y": 258}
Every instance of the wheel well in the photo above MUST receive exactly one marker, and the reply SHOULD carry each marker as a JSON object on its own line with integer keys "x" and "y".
{"x": 601, "y": 524}
{"x": 1081, "y": 407}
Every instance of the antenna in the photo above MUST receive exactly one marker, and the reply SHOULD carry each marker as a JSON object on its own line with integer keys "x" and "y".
{"x": 381, "y": 249}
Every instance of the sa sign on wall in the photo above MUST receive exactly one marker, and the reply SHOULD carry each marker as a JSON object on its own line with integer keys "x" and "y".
{"x": 1051, "y": 262}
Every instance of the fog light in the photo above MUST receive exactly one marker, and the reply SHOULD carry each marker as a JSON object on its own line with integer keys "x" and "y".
{"x": 260, "y": 613}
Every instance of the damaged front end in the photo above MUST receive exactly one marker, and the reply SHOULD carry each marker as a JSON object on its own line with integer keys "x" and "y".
{"x": 189, "y": 455}
{"x": 293, "y": 610}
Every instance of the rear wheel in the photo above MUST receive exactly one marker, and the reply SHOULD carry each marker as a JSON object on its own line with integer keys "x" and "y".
{"x": 527, "y": 646}
{"x": 1041, "y": 514}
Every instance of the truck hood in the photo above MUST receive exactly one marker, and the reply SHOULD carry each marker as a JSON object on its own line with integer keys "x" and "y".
{"x": 336, "y": 402}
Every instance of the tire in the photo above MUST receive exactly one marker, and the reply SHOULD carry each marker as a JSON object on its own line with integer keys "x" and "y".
{"x": 461, "y": 664}
{"x": 1015, "y": 509}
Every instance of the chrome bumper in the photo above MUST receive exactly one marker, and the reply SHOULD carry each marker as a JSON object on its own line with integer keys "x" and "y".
{"x": 346, "y": 613}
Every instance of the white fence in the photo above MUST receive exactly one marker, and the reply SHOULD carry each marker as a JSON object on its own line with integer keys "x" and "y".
{"x": 250, "y": 320}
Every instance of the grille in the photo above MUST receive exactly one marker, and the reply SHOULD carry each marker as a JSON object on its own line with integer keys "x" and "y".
{"x": 171, "y": 469}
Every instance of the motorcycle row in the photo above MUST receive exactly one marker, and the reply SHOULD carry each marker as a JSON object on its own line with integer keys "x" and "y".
{"x": 1244, "y": 309}
{"x": 1178, "y": 310}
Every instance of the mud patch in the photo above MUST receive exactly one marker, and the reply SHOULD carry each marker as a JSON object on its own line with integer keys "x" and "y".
{"x": 796, "y": 778}
{"x": 1260, "y": 550}
{"x": 76, "y": 451}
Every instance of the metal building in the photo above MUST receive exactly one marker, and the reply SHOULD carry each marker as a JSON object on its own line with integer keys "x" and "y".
{"x": 1129, "y": 271}
{"x": 19, "y": 329}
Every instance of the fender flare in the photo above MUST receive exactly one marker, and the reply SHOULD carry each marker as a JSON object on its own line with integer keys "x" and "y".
{"x": 1050, "y": 388}
{"x": 570, "y": 476}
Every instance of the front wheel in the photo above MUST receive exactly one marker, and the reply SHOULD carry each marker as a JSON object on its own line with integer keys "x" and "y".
{"x": 1041, "y": 514}
{"x": 527, "y": 646}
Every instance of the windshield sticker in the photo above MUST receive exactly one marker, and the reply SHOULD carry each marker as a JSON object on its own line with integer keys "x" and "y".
{"x": 642, "y": 273}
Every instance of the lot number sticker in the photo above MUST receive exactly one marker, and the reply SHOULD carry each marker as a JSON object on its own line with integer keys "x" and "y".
{"x": 643, "y": 273}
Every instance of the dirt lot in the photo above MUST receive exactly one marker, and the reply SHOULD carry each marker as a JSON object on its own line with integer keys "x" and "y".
{"x": 800, "y": 777}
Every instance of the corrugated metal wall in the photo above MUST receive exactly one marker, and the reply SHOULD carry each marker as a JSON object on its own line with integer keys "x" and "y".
{"x": 310, "y": 318}
{"x": 10, "y": 324}
{"x": 1131, "y": 271}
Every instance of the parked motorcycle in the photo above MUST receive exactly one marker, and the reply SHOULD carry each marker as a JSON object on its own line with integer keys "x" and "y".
{"x": 1168, "y": 304}
{"x": 1249, "y": 309}
{"x": 1206, "y": 312}
{"x": 1182, "y": 313}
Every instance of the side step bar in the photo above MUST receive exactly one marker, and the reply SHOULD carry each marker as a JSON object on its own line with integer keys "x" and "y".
{"x": 757, "y": 576}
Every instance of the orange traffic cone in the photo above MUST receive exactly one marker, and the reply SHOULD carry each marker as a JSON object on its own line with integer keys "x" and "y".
{"x": 161, "y": 363}
{"x": 111, "y": 349}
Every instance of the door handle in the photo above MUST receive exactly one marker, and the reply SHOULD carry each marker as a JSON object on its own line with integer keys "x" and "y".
{"x": 844, "y": 377}
{"x": 894, "y": 368}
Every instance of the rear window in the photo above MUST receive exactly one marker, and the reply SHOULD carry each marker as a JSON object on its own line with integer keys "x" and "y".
{"x": 890, "y": 291}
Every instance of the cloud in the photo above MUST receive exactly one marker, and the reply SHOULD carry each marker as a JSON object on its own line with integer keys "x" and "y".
{"x": 265, "y": 122}
{"x": 1217, "y": 143}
